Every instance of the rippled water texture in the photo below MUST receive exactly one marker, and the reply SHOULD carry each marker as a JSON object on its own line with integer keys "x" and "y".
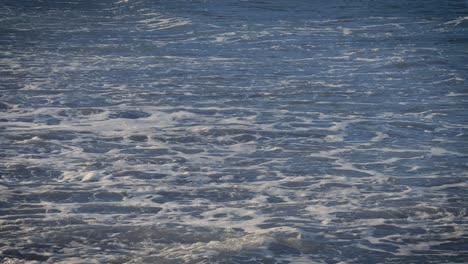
{"x": 233, "y": 131}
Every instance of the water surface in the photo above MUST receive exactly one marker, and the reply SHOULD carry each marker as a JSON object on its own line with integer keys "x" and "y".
{"x": 234, "y": 131}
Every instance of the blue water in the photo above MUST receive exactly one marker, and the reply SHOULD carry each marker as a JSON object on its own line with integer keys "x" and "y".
{"x": 233, "y": 131}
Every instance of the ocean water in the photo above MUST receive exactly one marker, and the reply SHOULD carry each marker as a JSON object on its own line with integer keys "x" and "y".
{"x": 233, "y": 131}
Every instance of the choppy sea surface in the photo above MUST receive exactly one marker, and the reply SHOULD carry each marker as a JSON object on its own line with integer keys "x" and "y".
{"x": 232, "y": 131}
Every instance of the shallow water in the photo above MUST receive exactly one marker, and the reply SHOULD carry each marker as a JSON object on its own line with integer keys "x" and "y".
{"x": 233, "y": 131}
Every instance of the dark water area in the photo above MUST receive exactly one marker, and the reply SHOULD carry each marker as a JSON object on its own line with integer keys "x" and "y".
{"x": 233, "y": 131}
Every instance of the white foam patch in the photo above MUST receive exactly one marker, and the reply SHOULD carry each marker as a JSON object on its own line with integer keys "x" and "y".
{"x": 250, "y": 242}
{"x": 92, "y": 176}
{"x": 160, "y": 22}
{"x": 213, "y": 248}
{"x": 457, "y": 21}
{"x": 379, "y": 136}
{"x": 438, "y": 151}
{"x": 334, "y": 138}
{"x": 453, "y": 94}
{"x": 368, "y": 59}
